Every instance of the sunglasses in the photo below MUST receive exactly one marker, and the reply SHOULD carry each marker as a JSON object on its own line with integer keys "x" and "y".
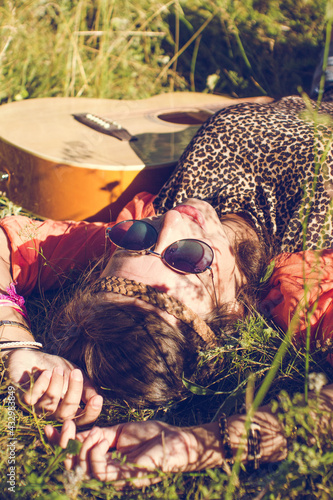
{"x": 188, "y": 256}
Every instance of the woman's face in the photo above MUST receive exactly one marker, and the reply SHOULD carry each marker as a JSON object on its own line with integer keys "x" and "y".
{"x": 192, "y": 219}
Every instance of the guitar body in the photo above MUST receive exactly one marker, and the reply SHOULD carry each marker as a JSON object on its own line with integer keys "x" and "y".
{"x": 57, "y": 167}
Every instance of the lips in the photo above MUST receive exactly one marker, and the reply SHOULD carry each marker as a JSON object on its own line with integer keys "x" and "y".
{"x": 193, "y": 213}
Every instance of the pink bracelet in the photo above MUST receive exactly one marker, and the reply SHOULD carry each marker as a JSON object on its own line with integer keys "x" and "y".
{"x": 9, "y": 303}
{"x": 16, "y": 300}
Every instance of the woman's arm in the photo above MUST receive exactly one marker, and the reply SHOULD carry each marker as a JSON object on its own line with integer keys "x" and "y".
{"x": 58, "y": 387}
{"x": 151, "y": 445}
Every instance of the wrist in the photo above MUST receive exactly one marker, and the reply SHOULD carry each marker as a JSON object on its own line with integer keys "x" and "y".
{"x": 273, "y": 444}
{"x": 15, "y": 335}
{"x": 14, "y": 331}
{"x": 205, "y": 450}
{"x": 6, "y": 354}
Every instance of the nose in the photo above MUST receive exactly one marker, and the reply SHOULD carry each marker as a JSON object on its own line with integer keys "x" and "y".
{"x": 170, "y": 230}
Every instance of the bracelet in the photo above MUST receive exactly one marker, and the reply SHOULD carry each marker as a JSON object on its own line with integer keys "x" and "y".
{"x": 13, "y": 344}
{"x": 21, "y": 349}
{"x": 16, "y": 300}
{"x": 10, "y": 303}
{"x": 15, "y": 323}
{"x": 253, "y": 447}
{"x": 225, "y": 439}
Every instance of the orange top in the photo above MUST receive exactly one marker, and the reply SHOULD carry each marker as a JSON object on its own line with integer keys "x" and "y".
{"x": 44, "y": 253}
{"x": 302, "y": 286}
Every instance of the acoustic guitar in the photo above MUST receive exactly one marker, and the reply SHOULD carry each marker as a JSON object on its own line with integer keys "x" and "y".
{"x": 67, "y": 158}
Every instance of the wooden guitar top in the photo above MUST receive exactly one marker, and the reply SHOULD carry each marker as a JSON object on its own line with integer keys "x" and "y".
{"x": 62, "y": 166}
{"x": 46, "y": 128}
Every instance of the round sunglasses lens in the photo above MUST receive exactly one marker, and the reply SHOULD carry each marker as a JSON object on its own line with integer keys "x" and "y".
{"x": 133, "y": 235}
{"x": 189, "y": 256}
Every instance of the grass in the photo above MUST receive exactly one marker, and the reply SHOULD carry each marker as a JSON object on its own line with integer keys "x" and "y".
{"x": 134, "y": 49}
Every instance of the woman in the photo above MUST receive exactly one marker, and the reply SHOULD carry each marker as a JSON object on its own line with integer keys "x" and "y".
{"x": 251, "y": 175}
{"x": 60, "y": 244}
{"x": 251, "y": 165}
{"x": 262, "y": 173}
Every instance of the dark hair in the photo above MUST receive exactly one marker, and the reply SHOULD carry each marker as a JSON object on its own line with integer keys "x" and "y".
{"x": 252, "y": 258}
{"x": 127, "y": 351}
{"x": 132, "y": 353}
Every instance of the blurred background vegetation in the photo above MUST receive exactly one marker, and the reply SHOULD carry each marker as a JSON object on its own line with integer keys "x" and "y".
{"x": 137, "y": 48}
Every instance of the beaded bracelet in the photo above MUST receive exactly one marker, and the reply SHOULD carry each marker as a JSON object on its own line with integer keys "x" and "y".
{"x": 253, "y": 447}
{"x": 9, "y": 345}
{"x": 225, "y": 439}
{"x": 18, "y": 344}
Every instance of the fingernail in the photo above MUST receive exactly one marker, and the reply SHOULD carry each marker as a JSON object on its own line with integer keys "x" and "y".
{"x": 94, "y": 430}
{"x": 59, "y": 370}
{"x": 77, "y": 375}
{"x": 47, "y": 373}
{"x": 97, "y": 402}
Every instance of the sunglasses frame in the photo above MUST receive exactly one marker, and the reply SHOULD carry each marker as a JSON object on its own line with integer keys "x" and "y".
{"x": 149, "y": 251}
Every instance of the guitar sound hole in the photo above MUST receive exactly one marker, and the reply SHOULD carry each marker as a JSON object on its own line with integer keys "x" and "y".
{"x": 185, "y": 117}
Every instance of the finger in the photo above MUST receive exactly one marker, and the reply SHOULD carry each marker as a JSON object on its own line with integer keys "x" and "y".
{"x": 107, "y": 433}
{"x": 81, "y": 436}
{"x": 98, "y": 462}
{"x": 94, "y": 436}
{"x": 91, "y": 411}
{"x": 61, "y": 439}
{"x": 105, "y": 468}
{"x": 69, "y": 405}
{"x": 89, "y": 390}
{"x": 38, "y": 389}
{"x": 50, "y": 399}
{"x": 126, "y": 436}
{"x": 111, "y": 434}
{"x": 52, "y": 434}
{"x": 68, "y": 432}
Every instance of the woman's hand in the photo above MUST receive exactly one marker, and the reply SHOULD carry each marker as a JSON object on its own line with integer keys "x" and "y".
{"x": 149, "y": 447}
{"x": 57, "y": 387}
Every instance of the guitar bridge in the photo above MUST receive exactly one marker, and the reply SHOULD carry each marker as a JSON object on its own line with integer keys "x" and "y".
{"x": 108, "y": 127}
